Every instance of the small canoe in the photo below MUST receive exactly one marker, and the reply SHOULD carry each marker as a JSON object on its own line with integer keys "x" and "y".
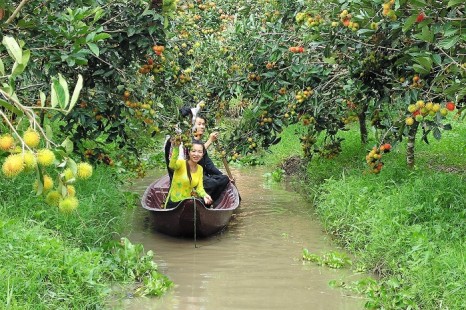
{"x": 179, "y": 221}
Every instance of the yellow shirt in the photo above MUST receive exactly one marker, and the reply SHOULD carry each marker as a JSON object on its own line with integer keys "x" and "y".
{"x": 180, "y": 187}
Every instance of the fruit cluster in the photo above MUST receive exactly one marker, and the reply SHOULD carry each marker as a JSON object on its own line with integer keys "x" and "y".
{"x": 30, "y": 158}
{"x": 270, "y": 65}
{"x": 303, "y": 95}
{"x": 141, "y": 111}
{"x": 207, "y": 6}
{"x": 417, "y": 82}
{"x": 158, "y": 49}
{"x": 254, "y": 77}
{"x": 296, "y": 49}
{"x": 307, "y": 119}
{"x": 264, "y": 119}
{"x": 307, "y": 142}
{"x": 147, "y": 67}
{"x": 420, "y": 110}
{"x": 252, "y": 144}
{"x": 330, "y": 150}
{"x": 387, "y": 10}
{"x": 350, "y": 118}
{"x": 373, "y": 158}
{"x": 345, "y": 18}
{"x": 311, "y": 21}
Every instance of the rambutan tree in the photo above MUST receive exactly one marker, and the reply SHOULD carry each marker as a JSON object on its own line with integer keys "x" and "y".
{"x": 26, "y": 145}
{"x": 326, "y": 64}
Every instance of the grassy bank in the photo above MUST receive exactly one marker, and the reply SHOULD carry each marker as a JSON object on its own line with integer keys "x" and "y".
{"x": 407, "y": 225}
{"x": 52, "y": 260}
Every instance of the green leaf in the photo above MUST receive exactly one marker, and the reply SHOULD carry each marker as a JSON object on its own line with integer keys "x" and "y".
{"x": 101, "y": 36}
{"x": 2, "y": 67}
{"x": 437, "y": 59}
{"x": 425, "y": 62}
{"x": 11, "y": 107}
{"x": 40, "y": 184}
{"x": 53, "y": 95}
{"x": 94, "y": 48}
{"x": 68, "y": 146}
{"x": 437, "y": 133}
{"x": 72, "y": 165}
{"x": 90, "y": 37}
{"x": 77, "y": 90}
{"x": 13, "y": 48}
{"x": 448, "y": 43}
{"x": 425, "y": 35}
{"x": 26, "y": 56}
{"x": 267, "y": 95}
{"x": 58, "y": 96}
{"x": 49, "y": 132}
{"x": 17, "y": 69}
{"x": 453, "y": 89}
{"x": 269, "y": 74}
{"x": 42, "y": 98}
{"x": 420, "y": 69}
{"x": 418, "y": 3}
{"x": 409, "y": 22}
{"x": 64, "y": 85}
{"x": 454, "y": 3}
{"x": 99, "y": 12}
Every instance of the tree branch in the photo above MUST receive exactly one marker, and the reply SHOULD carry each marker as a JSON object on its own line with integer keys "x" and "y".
{"x": 20, "y": 6}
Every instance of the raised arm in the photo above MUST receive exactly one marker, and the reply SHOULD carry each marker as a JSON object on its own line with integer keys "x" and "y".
{"x": 174, "y": 163}
{"x": 212, "y": 138}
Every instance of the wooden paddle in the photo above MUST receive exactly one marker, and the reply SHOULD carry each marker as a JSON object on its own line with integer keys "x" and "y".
{"x": 227, "y": 168}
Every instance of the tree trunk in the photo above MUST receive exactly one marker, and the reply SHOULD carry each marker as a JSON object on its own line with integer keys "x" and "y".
{"x": 410, "y": 146}
{"x": 363, "y": 126}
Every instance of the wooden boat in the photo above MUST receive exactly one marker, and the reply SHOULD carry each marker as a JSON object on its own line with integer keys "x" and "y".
{"x": 179, "y": 221}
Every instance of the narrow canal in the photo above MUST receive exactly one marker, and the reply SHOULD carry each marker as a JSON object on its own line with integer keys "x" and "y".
{"x": 254, "y": 264}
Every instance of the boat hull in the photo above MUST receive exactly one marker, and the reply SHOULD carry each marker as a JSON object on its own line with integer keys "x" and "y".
{"x": 190, "y": 217}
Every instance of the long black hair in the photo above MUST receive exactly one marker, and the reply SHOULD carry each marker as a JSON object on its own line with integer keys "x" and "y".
{"x": 187, "y": 165}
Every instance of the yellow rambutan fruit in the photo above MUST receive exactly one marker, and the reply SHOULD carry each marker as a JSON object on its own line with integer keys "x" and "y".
{"x": 29, "y": 160}
{"x": 84, "y": 171}
{"x": 45, "y": 157}
{"x": 6, "y": 142}
{"x": 68, "y": 175}
{"x": 48, "y": 183}
{"x": 53, "y": 198}
{"x": 13, "y": 165}
{"x": 71, "y": 190}
{"x": 68, "y": 204}
{"x": 31, "y": 138}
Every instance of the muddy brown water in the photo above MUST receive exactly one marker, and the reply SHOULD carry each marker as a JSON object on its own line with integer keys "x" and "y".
{"x": 253, "y": 264}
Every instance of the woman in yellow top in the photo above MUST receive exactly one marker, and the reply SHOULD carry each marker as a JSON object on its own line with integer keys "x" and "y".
{"x": 187, "y": 177}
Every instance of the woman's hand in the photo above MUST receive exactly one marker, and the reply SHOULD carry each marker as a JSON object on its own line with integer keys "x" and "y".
{"x": 213, "y": 136}
{"x": 176, "y": 140}
{"x": 208, "y": 200}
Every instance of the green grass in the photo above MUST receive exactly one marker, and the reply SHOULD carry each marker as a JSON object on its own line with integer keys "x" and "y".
{"x": 407, "y": 225}
{"x": 101, "y": 211}
{"x": 52, "y": 260}
{"x": 40, "y": 271}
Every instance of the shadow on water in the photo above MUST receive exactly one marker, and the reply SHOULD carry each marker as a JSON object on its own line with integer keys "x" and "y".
{"x": 254, "y": 264}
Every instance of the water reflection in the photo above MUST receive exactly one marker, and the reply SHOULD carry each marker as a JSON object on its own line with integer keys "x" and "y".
{"x": 254, "y": 264}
